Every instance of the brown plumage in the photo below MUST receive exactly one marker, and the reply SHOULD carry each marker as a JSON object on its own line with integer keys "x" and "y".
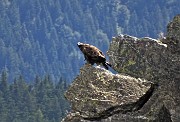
{"x": 93, "y": 55}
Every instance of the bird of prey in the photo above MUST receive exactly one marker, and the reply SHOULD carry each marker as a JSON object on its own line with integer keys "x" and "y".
{"x": 93, "y": 55}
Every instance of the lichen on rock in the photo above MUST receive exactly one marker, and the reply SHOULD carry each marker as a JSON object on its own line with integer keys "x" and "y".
{"x": 173, "y": 35}
{"x": 97, "y": 93}
{"x": 138, "y": 57}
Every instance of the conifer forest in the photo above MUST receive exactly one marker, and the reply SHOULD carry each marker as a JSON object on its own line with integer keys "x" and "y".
{"x": 39, "y": 56}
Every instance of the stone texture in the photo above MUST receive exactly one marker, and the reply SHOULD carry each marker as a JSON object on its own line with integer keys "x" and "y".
{"x": 155, "y": 61}
{"x": 143, "y": 57}
{"x": 173, "y": 35}
{"x": 97, "y": 93}
{"x": 131, "y": 99}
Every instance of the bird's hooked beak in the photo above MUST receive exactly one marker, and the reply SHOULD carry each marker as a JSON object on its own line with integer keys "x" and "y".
{"x": 79, "y": 43}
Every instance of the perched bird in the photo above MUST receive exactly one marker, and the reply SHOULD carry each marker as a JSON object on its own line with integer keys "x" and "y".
{"x": 93, "y": 55}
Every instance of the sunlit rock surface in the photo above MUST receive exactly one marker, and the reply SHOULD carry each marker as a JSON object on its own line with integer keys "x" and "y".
{"x": 130, "y": 96}
{"x": 97, "y": 93}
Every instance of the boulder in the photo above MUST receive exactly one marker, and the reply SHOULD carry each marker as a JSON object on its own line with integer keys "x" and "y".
{"x": 97, "y": 93}
{"x": 146, "y": 87}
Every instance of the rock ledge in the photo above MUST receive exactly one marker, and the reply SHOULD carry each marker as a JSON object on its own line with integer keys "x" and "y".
{"x": 132, "y": 95}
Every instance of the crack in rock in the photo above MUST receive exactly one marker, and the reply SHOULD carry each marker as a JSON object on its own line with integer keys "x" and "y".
{"x": 125, "y": 108}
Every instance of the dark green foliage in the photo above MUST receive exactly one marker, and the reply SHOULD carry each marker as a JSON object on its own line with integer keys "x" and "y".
{"x": 40, "y": 36}
{"x": 41, "y": 101}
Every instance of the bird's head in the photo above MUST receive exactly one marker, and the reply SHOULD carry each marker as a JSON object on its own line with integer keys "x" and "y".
{"x": 79, "y": 44}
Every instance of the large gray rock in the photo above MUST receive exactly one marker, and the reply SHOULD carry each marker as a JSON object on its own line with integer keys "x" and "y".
{"x": 100, "y": 96}
{"x": 145, "y": 57}
{"x": 97, "y": 93}
{"x": 173, "y": 35}
{"x": 155, "y": 61}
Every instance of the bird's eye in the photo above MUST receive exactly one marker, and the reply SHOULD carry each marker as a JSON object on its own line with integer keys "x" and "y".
{"x": 79, "y": 43}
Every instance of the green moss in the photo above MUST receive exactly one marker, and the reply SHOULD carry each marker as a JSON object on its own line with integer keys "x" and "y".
{"x": 128, "y": 64}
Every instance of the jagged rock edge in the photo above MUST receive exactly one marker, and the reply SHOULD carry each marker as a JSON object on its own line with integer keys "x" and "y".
{"x": 140, "y": 103}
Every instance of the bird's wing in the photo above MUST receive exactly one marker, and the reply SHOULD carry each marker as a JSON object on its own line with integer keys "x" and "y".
{"x": 93, "y": 52}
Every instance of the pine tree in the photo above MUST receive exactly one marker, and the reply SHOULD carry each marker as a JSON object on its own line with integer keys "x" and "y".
{"x": 39, "y": 117}
{"x": 4, "y": 82}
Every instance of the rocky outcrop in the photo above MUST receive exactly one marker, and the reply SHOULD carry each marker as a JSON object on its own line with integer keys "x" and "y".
{"x": 97, "y": 93}
{"x": 143, "y": 57}
{"x": 146, "y": 88}
{"x": 173, "y": 35}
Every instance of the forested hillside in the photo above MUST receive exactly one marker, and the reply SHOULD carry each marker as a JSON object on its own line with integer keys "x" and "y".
{"x": 40, "y": 101}
{"x": 38, "y": 37}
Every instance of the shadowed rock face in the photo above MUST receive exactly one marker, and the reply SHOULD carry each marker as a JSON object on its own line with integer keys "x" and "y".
{"x": 100, "y": 96}
{"x": 173, "y": 35}
{"x": 143, "y": 57}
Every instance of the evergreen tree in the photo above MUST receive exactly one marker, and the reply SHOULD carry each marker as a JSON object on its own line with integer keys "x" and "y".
{"x": 4, "y": 82}
{"x": 42, "y": 100}
{"x": 39, "y": 116}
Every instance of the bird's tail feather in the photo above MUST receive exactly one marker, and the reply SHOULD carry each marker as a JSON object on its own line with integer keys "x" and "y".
{"x": 106, "y": 64}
